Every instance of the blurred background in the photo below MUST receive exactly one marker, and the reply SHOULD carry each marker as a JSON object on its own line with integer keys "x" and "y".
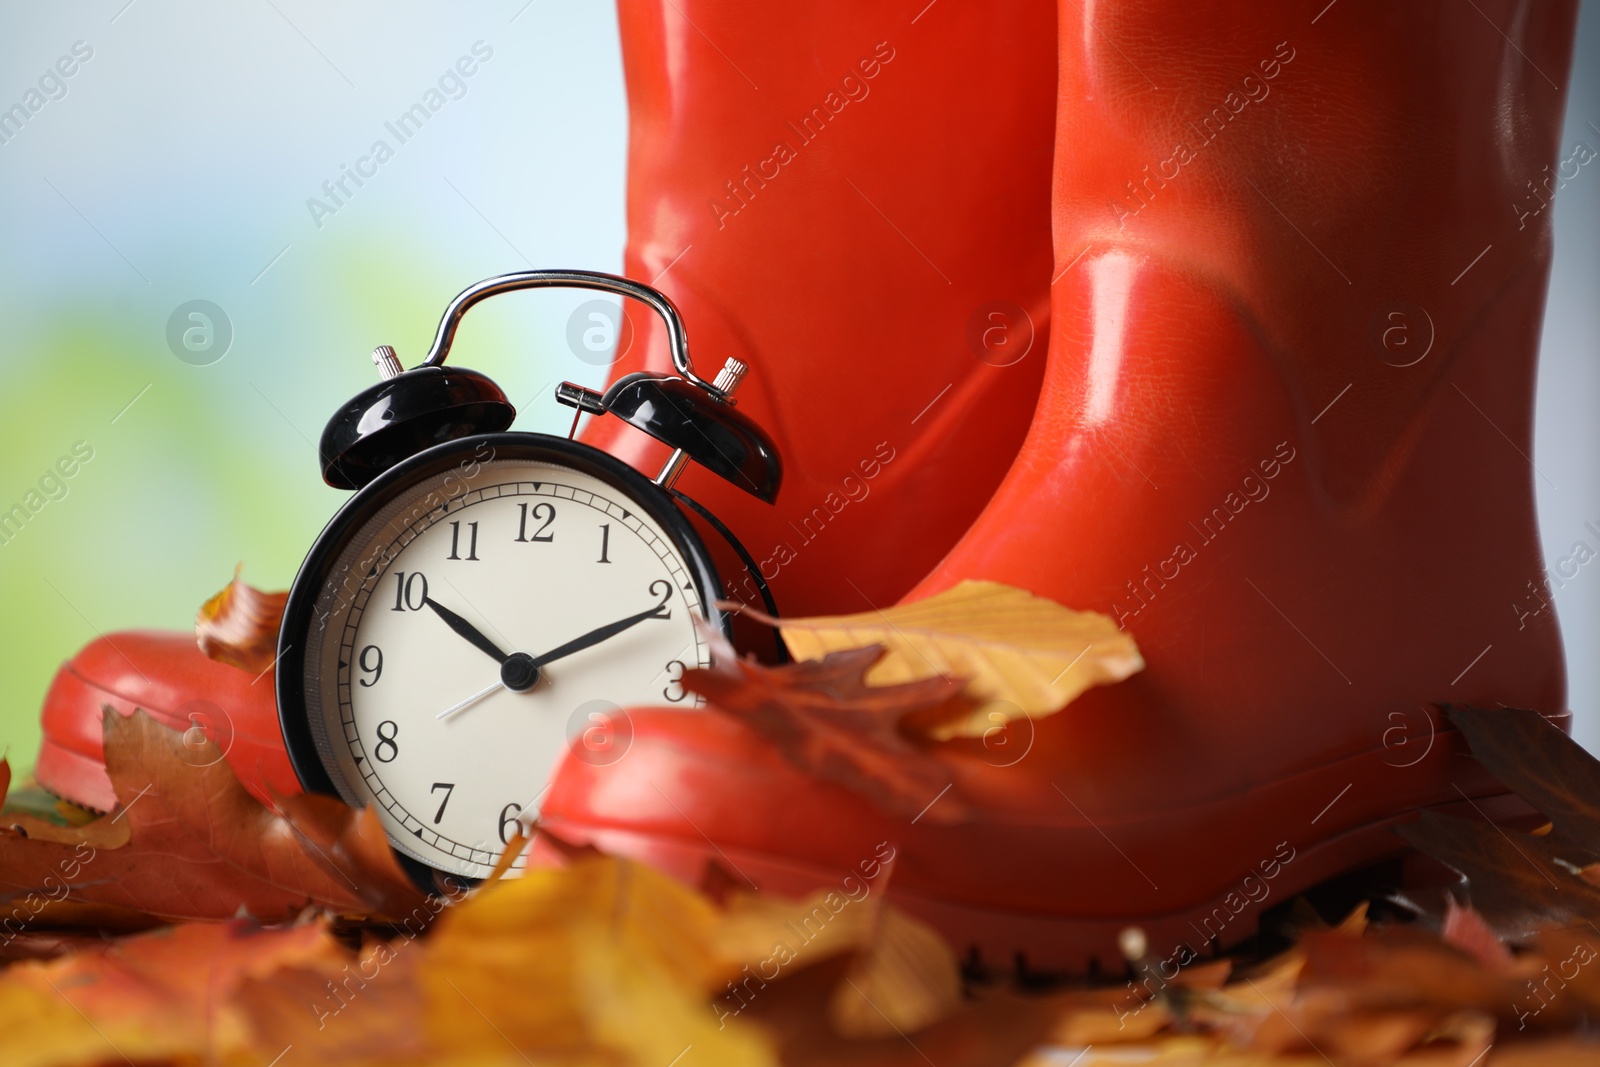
{"x": 191, "y": 282}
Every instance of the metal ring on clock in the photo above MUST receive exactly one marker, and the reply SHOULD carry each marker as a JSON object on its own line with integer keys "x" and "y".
{"x": 677, "y": 340}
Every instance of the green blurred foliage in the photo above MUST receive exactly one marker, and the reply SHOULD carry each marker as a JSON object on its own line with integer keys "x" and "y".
{"x": 211, "y": 466}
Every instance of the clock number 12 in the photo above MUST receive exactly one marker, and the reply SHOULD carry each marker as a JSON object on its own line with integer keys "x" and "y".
{"x": 547, "y": 512}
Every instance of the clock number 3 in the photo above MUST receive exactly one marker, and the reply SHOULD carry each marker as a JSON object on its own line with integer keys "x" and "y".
{"x": 675, "y": 692}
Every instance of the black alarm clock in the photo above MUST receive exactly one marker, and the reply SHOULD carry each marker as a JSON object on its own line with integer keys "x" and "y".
{"x": 488, "y": 601}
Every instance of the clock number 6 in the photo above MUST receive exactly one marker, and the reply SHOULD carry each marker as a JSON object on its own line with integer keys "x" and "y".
{"x": 508, "y": 821}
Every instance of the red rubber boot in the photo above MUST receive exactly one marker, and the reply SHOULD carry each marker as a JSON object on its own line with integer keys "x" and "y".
{"x": 167, "y": 676}
{"x": 1283, "y": 438}
{"x": 856, "y": 204}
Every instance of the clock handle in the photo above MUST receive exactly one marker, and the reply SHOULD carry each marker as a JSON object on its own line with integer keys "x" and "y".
{"x": 677, "y": 340}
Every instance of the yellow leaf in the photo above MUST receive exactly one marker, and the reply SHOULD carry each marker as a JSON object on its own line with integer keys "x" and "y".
{"x": 906, "y": 979}
{"x": 1023, "y": 655}
{"x": 903, "y": 976}
{"x": 602, "y": 961}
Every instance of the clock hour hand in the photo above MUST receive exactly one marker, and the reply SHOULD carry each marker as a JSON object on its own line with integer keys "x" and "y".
{"x": 604, "y": 633}
{"x": 467, "y": 630}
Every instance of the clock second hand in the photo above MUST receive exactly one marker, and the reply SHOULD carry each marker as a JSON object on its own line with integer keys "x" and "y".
{"x": 471, "y": 700}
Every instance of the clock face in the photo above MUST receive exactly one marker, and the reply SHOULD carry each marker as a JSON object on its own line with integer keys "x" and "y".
{"x": 485, "y": 621}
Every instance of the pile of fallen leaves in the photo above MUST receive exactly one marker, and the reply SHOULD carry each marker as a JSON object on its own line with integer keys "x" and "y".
{"x": 196, "y": 926}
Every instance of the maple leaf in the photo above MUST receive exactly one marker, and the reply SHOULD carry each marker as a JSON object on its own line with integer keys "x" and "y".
{"x": 824, "y": 718}
{"x": 1022, "y": 655}
{"x": 190, "y": 843}
{"x": 239, "y": 626}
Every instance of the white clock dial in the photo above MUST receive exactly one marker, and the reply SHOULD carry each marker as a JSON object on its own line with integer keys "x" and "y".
{"x": 416, "y": 709}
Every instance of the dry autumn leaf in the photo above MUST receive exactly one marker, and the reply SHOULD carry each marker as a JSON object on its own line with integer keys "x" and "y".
{"x": 1523, "y": 882}
{"x": 603, "y": 962}
{"x": 239, "y": 626}
{"x": 826, "y": 720}
{"x": 1020, "y": 654}
{"x": 190, "y": 843}
{"x": 902, "y": 977}
{"x": 167, "y": 996}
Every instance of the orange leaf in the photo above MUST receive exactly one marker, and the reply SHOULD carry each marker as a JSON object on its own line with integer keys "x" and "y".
{"x": 190, "y": 843}
{"x": 239, "y": 626}
{"x": 158, "y": 997}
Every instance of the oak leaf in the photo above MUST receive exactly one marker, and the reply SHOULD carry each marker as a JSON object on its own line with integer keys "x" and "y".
{"x": 239, "y": 626}
{"x": 826, "y": 720}
{"x": 1021, "y": 655}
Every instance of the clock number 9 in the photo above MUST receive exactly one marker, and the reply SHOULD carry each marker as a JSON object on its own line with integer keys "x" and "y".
{"x": 387, "y": 740}
{"x": 508, "y": 822}
{"x": 374, "y": 669}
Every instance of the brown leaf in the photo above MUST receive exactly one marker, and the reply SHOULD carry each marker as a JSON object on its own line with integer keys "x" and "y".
{"x": 1545, "y": 767}
{"x": 190, "y": 843}
{"x": 828, "y": 722}
{"x": 1513, "y": 879}
{"x": 239, "y": 626}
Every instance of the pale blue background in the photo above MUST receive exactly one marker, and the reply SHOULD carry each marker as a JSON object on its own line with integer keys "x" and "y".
{"x": 178, "y": 166}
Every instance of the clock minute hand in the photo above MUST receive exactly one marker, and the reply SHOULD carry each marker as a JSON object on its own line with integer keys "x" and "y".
{"x": 604, "y": 633}
{"x": 467, "y": 630}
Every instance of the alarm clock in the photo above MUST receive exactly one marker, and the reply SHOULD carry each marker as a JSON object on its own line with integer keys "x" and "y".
{"x": 488, "y": 601}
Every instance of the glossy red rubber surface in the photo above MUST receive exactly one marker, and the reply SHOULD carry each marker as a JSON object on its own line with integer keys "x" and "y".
{"x": 1282, "y": 437}
{"x": 167, "y": 676}
{"x": 835, "y": 196}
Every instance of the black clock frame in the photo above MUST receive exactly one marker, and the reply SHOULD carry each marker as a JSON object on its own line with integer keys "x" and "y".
{"x": 316, "y": 571}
